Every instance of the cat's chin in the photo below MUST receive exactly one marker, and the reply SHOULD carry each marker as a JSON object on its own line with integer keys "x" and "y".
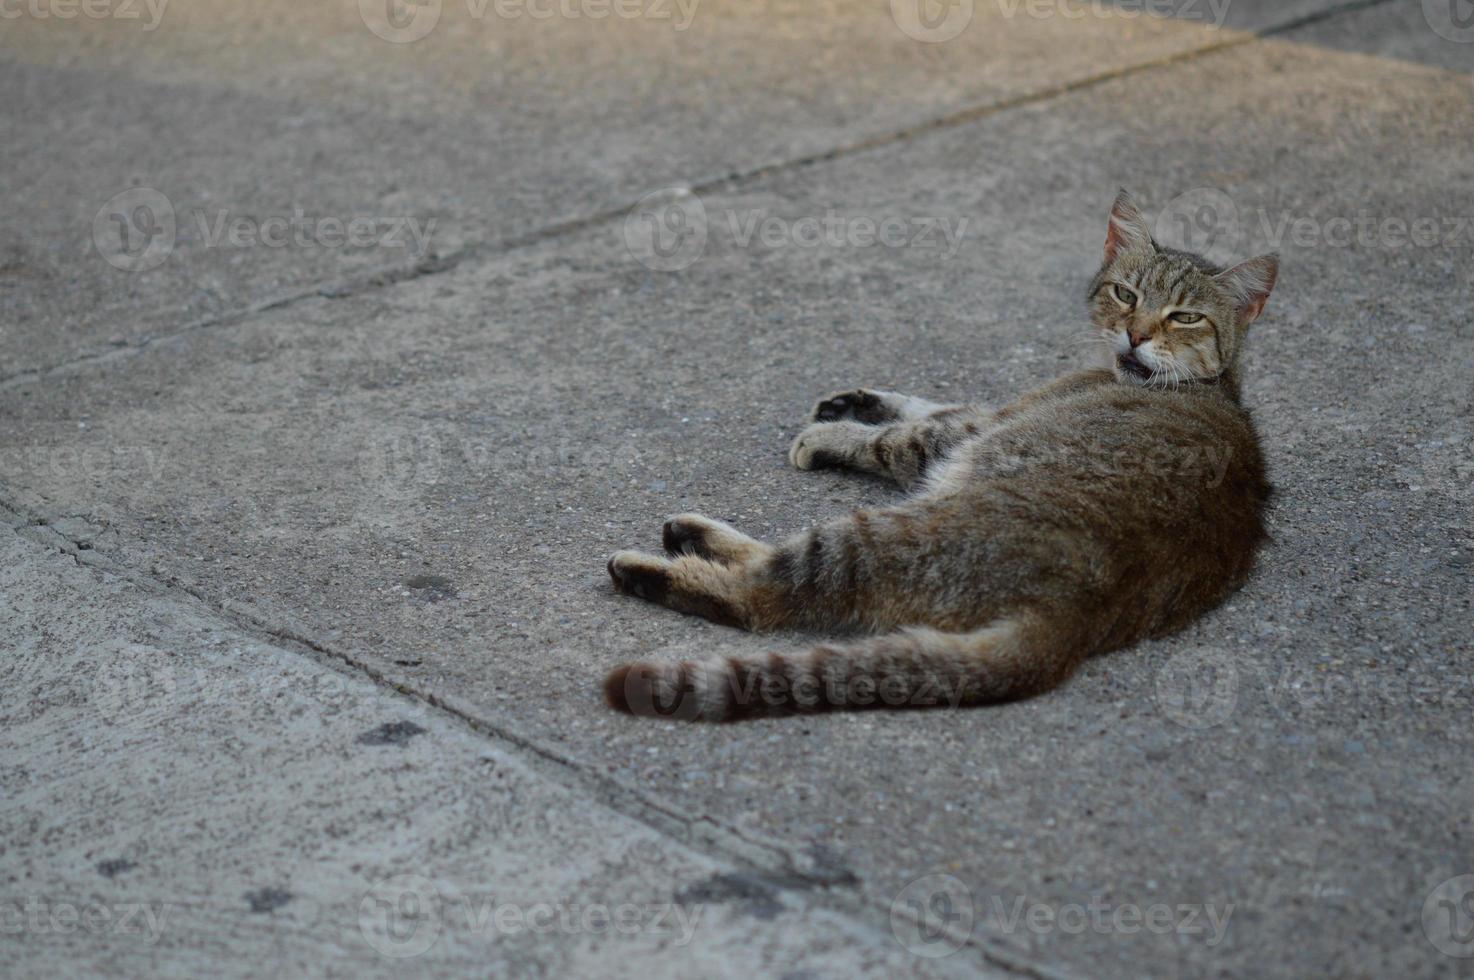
{"x": 1132, "y": 371}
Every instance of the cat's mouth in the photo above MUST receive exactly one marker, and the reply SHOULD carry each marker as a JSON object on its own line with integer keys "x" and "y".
{"x": 1130, "y": 365}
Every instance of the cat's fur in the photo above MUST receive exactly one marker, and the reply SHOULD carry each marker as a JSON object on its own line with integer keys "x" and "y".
{"x": 1111, "y": 505}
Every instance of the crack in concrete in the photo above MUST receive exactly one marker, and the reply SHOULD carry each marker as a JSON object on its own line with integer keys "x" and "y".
{"x": 346, "y": 287}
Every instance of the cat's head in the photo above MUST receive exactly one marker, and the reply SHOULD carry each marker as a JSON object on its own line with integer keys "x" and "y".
{"x": 1171, "y": 316}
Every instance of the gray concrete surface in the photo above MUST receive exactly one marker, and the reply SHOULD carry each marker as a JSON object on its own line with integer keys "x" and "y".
{"x": 415, "y": 479}
{"x": 185, "y": 797}
{"x": 488, "y": 130}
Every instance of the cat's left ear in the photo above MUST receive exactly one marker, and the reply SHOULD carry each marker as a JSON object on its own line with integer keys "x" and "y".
{"x": 1127, "y": 229}
{"x": 1251, "y": 283}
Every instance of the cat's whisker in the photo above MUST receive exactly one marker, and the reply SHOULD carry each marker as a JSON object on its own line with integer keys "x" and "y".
{"x": 1104, "y": 341}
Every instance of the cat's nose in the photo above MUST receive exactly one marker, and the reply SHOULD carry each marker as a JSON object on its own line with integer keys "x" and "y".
{"x": 1137, "y": 339}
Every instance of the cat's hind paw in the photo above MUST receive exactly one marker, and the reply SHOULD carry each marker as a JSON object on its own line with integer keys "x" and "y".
{"x": 822, "y": 446}
{"x": 859, "y": 405}
{"x": 692, "y": 534}
{"x": 641, "y": 575}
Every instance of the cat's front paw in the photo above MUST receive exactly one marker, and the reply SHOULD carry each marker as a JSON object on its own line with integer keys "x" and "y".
{"x": 860, "y": 405}
{"x": 636, "y": 574}
{"x": 818, "y": 448}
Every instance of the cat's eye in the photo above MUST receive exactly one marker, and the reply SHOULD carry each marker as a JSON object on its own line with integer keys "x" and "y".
{"x": 1185, "y": 318}
{"x": 1123, "y": 295}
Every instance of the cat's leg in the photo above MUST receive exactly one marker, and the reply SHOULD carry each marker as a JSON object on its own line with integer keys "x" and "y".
{"x": 740, "y": 595}
{"x": 901, "y": 451}
{"x": 871, "y": 568}
{"x": 870, "y": 407}
{"x": 702, "y": 537}
{"x": 713, "y": 571}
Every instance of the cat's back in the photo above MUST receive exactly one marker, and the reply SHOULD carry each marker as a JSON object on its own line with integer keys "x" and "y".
{"x": 1116, "y": 438}
{"x": 1114, "y": 490}
{"x": 1127, "y": 469}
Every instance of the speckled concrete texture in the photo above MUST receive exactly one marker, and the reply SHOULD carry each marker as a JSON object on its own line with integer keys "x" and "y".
{"x": 405, "y": 473}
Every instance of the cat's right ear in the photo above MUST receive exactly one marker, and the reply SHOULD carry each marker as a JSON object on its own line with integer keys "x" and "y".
{"x": 1251, "y": 283}
{"x": 1127, "y": 229}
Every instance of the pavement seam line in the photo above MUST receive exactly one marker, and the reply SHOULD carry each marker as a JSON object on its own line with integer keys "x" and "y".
{"x": 773, "y": 862}
{"x": 346, "y": 287}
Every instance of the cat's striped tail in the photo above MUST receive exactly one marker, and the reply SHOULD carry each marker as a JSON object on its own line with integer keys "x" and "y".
{"x": 915, "y": 668}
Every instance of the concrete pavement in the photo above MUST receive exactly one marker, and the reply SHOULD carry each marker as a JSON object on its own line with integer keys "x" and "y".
{"x": 185, "y": 795}
{"x": 410, "y": 478}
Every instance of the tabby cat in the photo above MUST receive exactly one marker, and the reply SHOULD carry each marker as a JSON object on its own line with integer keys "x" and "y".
{"x": 1111, "y": 505}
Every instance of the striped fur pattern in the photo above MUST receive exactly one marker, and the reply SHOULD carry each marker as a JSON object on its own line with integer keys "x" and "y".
{"x": 1112, "y": 505}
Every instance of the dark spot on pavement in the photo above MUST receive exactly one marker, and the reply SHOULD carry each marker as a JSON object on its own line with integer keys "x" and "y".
{"x": 391, "y": 733}
{"x": 111, "y": 869}
{"x": 268, "y": 899}
{"x": 431, "y": 588}
{"x": 830, "y": 868}
{"x": 756, "y": 894}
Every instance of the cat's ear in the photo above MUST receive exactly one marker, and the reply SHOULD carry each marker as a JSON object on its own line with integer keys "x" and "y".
{"x": 1250, "y": 283}
{"x": 1127, "y": 229}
